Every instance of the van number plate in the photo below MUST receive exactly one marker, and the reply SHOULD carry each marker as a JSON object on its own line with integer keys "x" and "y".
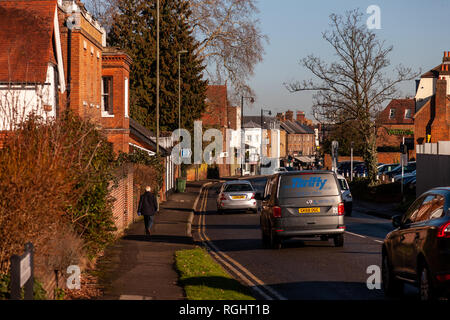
{"x": 309, "y": 210}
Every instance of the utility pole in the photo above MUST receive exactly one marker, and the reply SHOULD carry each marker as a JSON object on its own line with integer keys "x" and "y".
{"x": 351, "y": 161}
{"x": 242, "y": 133}
{"x": 179, "y": 99}
{"x": 157, "y": 77}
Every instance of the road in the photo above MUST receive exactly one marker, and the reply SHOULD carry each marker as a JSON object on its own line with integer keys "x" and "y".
{"x": 301, "y": 270}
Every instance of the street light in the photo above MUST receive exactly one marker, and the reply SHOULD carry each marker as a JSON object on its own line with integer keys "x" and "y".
{"x": 157, "y": 77}
{"x": 242, "y": 133}
{"x": 179, "y": 99}
{"x": 262, "y": 134}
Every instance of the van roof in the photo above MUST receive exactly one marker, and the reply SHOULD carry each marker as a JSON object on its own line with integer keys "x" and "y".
{"x": 288, "y": 173}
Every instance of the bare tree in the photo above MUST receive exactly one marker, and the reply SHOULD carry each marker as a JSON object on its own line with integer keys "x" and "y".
{"x": 231, "y": 42}
{"x": 355, "y": 87}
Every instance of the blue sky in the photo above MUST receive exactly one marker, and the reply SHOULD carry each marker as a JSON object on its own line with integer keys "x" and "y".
{"x": 418, "y": 30}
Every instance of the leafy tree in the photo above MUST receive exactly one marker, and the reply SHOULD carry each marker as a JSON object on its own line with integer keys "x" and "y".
{"x": 355, "y": 87}
{"x": 134, "y": 29}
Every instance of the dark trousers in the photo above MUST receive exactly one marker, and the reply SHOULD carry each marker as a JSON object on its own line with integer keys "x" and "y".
{"x": 148, "y": 222}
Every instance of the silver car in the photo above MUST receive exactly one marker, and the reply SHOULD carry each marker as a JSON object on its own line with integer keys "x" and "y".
{"x": 236, "y": 195}
{"x": 346, "y": 195}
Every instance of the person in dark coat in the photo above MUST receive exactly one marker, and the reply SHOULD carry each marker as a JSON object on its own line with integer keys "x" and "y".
{"x": 148, "y": 206}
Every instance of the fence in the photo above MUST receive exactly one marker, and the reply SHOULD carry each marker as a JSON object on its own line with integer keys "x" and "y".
{"x": 433, "y": 166}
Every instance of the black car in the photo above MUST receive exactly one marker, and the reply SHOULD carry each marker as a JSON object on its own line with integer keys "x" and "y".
{"x": 418, "y": 250}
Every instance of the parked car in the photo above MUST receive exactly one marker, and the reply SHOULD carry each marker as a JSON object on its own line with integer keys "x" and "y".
{"x": 238, "y": 195}
{"x": 360, "y": 169}
{"x": 302, "y": 204}
{"x": 418, "y": 250}
{"x": 344, "y": 167}
{"x": 346, "y": 195}
{"x": 411, "y": 166}
{"x": 406, "y": 177}
{"x": 386, "y": 168}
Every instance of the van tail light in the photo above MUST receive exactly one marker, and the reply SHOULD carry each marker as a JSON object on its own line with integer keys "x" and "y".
{"x": 341, "y": 209}
{"x": 444, "y": 231}
{"x": 276, "y": 212}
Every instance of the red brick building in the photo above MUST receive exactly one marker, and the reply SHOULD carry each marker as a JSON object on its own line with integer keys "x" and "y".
{"x": 395, "y": 123}
{"x": 55, "y": 53}
{"x": 432, "y": 117}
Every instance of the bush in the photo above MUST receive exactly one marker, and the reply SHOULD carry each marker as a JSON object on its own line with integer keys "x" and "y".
{"x": 54, "y": 192}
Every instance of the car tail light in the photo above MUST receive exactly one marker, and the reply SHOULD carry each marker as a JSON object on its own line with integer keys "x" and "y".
{"x": 253, "y": 196}
{"x": 341, "y": 209}
{"x": 444, "y": 231}
{"x": 276, "y": 212}
{"x": 222, "y": 197}
{"x": 443, "y": 277}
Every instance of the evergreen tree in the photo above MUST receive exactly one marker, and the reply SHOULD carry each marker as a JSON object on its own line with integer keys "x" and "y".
{"x": 134, "y": 30}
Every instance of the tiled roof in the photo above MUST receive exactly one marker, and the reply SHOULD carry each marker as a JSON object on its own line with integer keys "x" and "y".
{"x": 295, "y": 127}
{"x": 26, "y": 28}
{"x": 399, "y": 105}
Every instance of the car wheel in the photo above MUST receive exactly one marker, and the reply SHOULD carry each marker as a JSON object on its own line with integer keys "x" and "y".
{"x": 426, "y": 290}
{"x": 392, "y": 287}
{"x": 274, "y": 241}
{"x": 339, "y": 240}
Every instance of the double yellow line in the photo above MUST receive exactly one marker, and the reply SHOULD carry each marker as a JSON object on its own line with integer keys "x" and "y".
{"x": 232, "y": 265}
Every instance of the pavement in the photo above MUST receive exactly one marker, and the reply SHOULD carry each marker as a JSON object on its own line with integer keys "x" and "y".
{"x": 140, "y": 268}
{"x": 381, "y": 210}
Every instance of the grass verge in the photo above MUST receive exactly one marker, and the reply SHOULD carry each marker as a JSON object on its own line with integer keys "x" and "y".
{"x": 204, "y": 279}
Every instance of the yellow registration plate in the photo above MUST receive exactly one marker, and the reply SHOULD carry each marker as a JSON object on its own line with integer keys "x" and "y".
{"x": 309, "y": 210}
{"x": 237, "y": 197}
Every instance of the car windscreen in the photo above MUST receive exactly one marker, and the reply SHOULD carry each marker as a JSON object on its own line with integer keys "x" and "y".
{"x": 305, "y": 185}
{"x": 238, "y": 187}
{"x": 259, "y": 184}
{"x": 343, "y": 184}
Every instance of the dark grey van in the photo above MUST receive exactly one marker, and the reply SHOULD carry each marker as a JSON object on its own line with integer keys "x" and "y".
{"x": 302, "y": 204}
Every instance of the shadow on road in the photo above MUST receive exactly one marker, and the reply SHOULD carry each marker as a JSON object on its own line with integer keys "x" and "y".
{"x": 158, "y": 238}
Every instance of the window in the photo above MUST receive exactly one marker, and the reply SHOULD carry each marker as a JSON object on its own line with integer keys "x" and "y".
{"x": 391, "y": 113}
{"x": 432, "y": 208}
{"x": 107, "y": 95}
{"x": 408, "y": 114}
{"x": 412, "y": 211}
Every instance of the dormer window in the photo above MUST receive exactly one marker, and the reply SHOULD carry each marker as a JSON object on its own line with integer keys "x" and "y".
{"x": 391, "y": 113}
{"x": 408, "y": 114}
{"x": 107, "y": 95}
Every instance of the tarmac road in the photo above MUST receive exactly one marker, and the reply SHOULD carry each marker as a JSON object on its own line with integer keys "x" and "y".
{"x": 306, "y": 269}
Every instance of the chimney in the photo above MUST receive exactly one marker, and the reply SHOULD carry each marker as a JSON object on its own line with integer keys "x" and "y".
{"x": 289, "y": 115}
{"x": 441, "y": 97}
{"x": 280, "y": 117}
{"x": 301, "y": 117}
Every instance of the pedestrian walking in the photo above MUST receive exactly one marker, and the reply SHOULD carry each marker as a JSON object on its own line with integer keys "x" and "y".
{"x": 148, "y": 206}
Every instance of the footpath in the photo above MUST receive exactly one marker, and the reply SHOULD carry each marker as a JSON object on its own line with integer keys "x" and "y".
{"x": 140, "y": 268}
{"x": 381, "y": 210}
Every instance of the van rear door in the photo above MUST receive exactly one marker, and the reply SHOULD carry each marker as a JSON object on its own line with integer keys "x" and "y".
{"x": 310, "y": 200}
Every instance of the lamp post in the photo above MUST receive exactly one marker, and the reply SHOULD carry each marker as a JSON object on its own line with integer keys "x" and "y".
{"x": 179, "y": 99}
{"x": 242, "y": 133}
{"x": 262, "y": 135}
{"x": 157, "y": 77}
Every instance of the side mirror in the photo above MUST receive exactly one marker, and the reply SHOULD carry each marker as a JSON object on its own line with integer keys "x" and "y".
{"x": 397, "y": 221}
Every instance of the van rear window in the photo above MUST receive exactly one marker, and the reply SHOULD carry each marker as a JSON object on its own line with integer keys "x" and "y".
{"x": 293, "y": 186}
